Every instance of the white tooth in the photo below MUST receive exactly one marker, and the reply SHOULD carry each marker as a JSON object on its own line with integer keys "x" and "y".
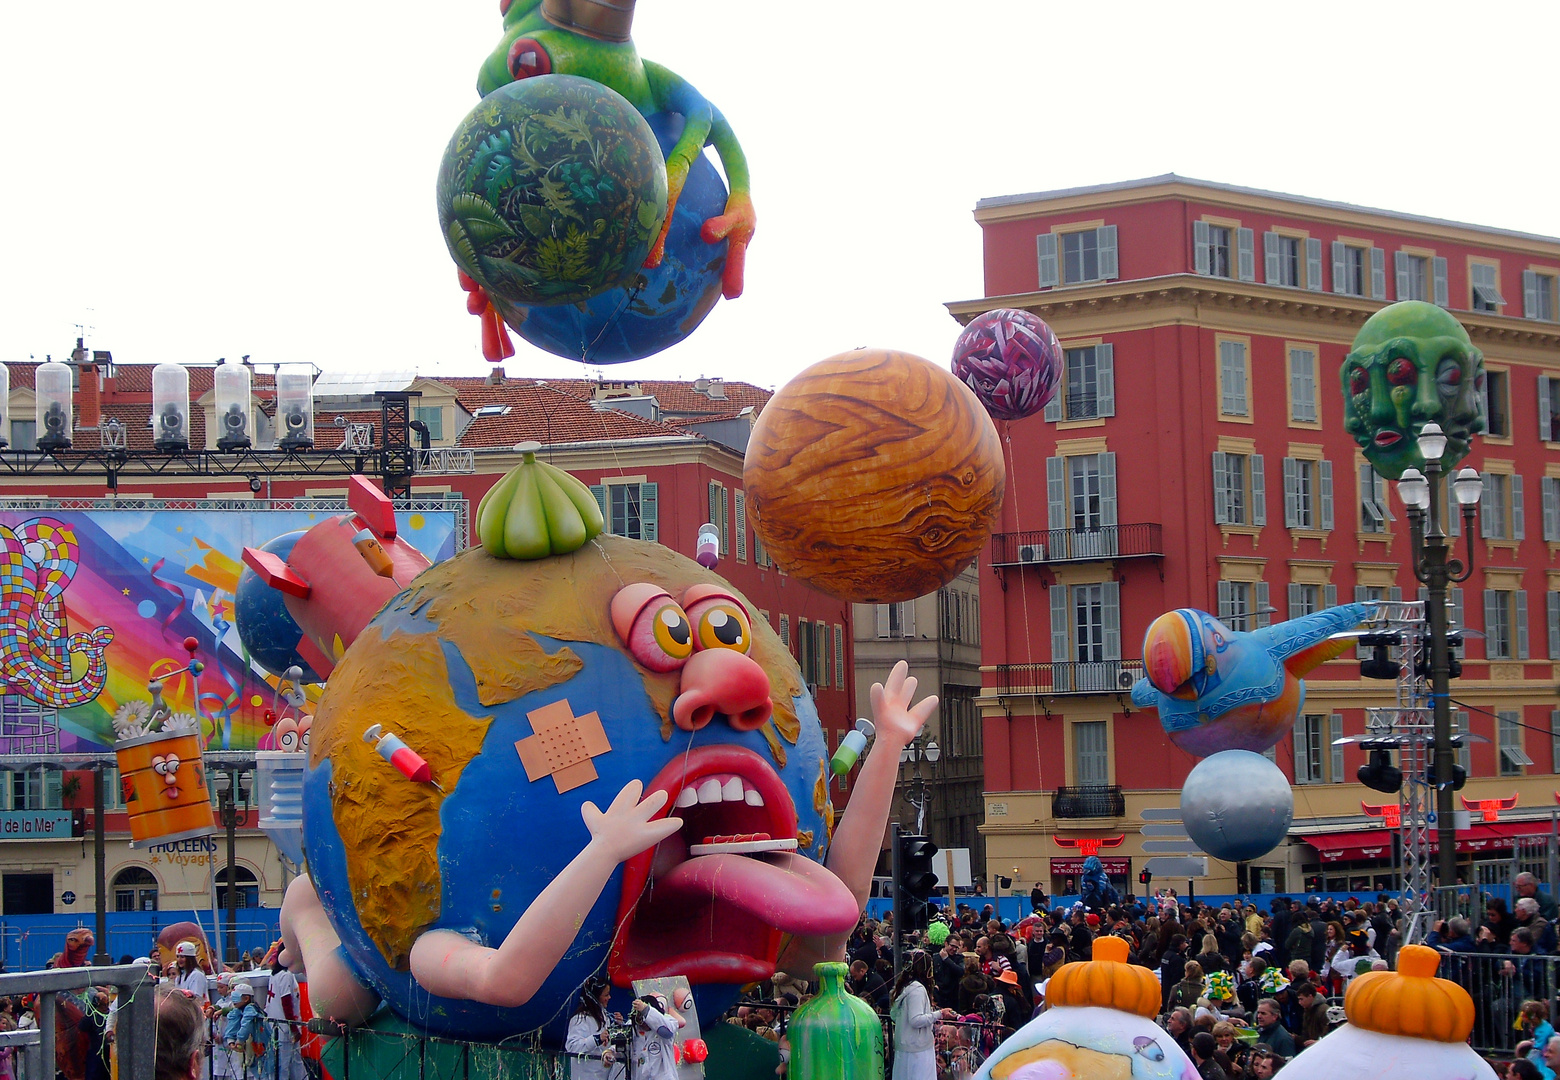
{"x": 709, "y": 791}
{"x": 753, "y": 798}
{"x": 687, "y": 797}
{"x": 732, "y": 792}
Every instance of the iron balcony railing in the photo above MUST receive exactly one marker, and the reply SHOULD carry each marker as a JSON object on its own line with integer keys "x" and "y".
{"x": 1142, "y": 541}
{"x": 1077, "y": 677}
{"x": 1089, "y": 801}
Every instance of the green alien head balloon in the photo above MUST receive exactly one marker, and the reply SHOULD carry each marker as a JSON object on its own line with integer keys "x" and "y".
{"x": 1412, "y": 363}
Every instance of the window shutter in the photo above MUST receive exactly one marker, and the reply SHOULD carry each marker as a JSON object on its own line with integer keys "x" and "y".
{"x": 785, "y": 630}
{"x": 1221, "y": 495}
{"x": 882, "y": 621}
{"x": 600, "y": 492}
{"x": 1518, "y": 528}
{"x": 649, "y": 512}
{"x": 1228, "y": 403}
{"x": 1329, "y": 596}
{"x": 1378, "y": 274}
{"x": 907, "y": 618}
{"x": 1361, "y": 594}
{"x": 1522, "y": 625}
{"x": 1454, "y": 519}
{"x": 821, "y": 639}
{"x": 1327, "y": 495}
{"x": 1334, "y": 733}
{"x": 1400, "y": 264}
{"x": 1340, "y": 273}
{"x": 1442, "y": 296}
{"x": 741, "y": 516}
{"x": 1056, "y": 493}
{"x": 1296, "y": 600}
{"x": 1105, "y": 236}
{"x": 1554, "y": 740}
{"x": 1053, "y": 408}
{"x": 713, "y": 505}
{"x": 1552, "y": 610}
{"x": 1529, "y": 294}
{"x": 1545, "y": 419}
{"x": 1107, "y": 489}
{"x": 1456, "y": 621}
{"x": 1111, "y": 607}
{"x": 1200, "y": 260}
{"x": 1550, "y": 488}
{"x": 1258, "y": 490}
{"x": 1291, "y": 493}
{"x": 1491, "y": 617}
{"x": 1395, "y": 594}
{"x": 1226, "y": 600}
{"x": 1313, "y": 264}
{"x": 725, "y": 521}
{"x": 1262, "y": 602}
{"x": 1368, "y": 504}
{"x": 1487, "y": 523}
{"x": 1248, "y": 263}
{"x": 1105, "y": 377}
{"x": 1272, "y": 274}
{"x": 1302, "y": 765}
{"x": 839, "y": 655}
{"x": 1059, "y": 636}
{"x": 1046, "y": 246}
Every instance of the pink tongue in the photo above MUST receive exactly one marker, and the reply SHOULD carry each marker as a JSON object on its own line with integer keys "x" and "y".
{"x": 783, "y": 889}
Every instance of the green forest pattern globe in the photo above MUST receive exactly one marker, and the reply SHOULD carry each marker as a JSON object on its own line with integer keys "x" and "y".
{"x": 551, "y": 191}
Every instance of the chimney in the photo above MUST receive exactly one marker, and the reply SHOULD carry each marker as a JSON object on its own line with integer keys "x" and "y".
{"x": 89, "y": 392}
{"x": 496, "y": 377}
{"x": 604, "y": 20}
{"x": 717, "y": 389}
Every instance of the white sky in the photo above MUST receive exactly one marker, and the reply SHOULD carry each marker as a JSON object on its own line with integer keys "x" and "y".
{"x": 197, "y": 180}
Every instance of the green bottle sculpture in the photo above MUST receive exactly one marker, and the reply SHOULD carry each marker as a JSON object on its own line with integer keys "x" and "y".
{"x": 836, "y": 1035}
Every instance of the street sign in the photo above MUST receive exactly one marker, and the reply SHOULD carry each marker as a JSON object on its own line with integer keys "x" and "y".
{"x": 1170, "y": 847}
{"x": 1178, "y": 831}
{"x": 1177, "y": 868}
{"x": 68, "y": 899}
{"x": 1162, "y": 813}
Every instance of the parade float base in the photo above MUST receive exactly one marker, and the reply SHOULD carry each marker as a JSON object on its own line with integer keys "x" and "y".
{"x": 387, "y": 1048}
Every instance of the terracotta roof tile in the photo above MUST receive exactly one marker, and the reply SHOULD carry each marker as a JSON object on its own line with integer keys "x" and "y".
{"x": 546, "y": 413}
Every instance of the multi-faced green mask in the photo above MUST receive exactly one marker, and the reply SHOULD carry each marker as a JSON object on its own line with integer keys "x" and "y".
{"x": 1412, "y": 363}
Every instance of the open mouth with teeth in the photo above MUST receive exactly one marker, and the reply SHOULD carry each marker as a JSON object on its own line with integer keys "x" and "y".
{"x": 712, "y": 901}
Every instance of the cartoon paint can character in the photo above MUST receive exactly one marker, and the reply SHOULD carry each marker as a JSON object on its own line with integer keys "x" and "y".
{"x": 1401, "y": 1023}
{"x": 1100, "y": 1025}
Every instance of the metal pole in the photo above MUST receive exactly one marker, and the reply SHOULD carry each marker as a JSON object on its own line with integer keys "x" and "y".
{"x": 100, "y": 867}
{"x": 230, "y": 820}
{"x": 895, "y": 870}
{"x": 46, "y": 1031}
{"x": 1554, "y": 846}
{"x": 1435, "y": 579}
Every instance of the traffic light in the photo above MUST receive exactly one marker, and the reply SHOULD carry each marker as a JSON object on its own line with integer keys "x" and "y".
{"x": 917, "y": 880}
{"x": 1145, "y": 878}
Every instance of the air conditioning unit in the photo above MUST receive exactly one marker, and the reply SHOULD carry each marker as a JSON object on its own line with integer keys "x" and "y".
{"x": 1125, "y": 679}
{"x": 1034, "y": 553}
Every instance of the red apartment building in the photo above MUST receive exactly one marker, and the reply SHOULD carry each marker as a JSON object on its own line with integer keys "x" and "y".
{"x": 1196, "y": 457}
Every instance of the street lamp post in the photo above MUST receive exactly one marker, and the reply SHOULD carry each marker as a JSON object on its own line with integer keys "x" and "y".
{"x": 1434, "y": 567}
{"x": 921, "y": 749}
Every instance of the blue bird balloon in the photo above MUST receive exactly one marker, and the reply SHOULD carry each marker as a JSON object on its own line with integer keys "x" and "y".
{"x": 1220, "y": 689}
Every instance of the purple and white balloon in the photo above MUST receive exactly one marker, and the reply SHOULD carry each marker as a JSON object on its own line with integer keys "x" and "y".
{"x": 1011, "y": 360}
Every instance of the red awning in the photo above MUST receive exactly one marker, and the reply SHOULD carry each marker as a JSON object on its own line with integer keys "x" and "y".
{"x": 1377, "y": 843}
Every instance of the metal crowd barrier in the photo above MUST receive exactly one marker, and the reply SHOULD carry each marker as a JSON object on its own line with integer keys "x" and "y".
{"x": 135, "y": 1030}
{"x": 1499, "y": 983}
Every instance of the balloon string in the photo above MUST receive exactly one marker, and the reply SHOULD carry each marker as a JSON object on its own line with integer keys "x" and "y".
{"x": 178, "y": 608}
{"x": 1023, "y": 599}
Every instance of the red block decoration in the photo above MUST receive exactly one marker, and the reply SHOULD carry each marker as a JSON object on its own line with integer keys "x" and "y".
{"x": 1089, "y": 845}
{"x": 1489, "y": 808}
{"x": 1391, "y": 814}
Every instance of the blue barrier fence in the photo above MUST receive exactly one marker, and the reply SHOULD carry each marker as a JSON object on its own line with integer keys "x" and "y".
{"x": 1013, "y": 908}
{"x": 27, "y": 942}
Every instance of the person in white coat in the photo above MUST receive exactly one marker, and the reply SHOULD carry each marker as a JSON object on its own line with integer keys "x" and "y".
{"x": 915, "y": 1053}
{"x": 655, "y": 1037}
{"x": 587, "y": 1035}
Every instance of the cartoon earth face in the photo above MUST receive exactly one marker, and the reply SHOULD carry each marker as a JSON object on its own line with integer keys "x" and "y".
{"x": 458, "y": 666}
{"x": 1412, "y": 363}
{"x": 1074, "y": 1042}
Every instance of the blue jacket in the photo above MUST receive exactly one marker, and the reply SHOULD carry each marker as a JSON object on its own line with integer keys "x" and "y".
{"x": 245, "y": 1025}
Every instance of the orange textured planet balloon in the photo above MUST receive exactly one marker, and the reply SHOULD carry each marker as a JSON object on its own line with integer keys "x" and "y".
{"x": 875, "y": 476}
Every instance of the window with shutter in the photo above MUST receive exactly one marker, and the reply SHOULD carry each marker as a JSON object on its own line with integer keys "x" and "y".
{"x": 883, "y": 630}
{"x": 1554, "y": 741}
{"x": 1334, "y": 733}
{"x": 1465, "y": 751}
{"x": 1233, "y": 397}
{"x": 1084, "y": 257}
{"x": 1548, "y": 408}
{"x": 1329, "y": 596}
{"x": 1110, "y": 268}
{"x": 1111, "y": 597}
{"x": 1107, "y": 465}
{"x": 600, "y": 492}
{"x": 1302, "y": 385}
{"x": 741, "y": 524}
{"x": 1549, "y": 488}
{"x": 1273, "y": 272}
{"x": 649, "y": 511}
{"x": 1263, "y": 616}
{"x": 1045, "y": 245}
{"x": 839, "y": 655}
{"x": 1291, "y": 493}
{"x": 1442, "y": 293}
{"x": 1373, "y": 512}
{"x": 1201, "y": 261}
{"x": 1378, "y": 274}
{"x": 1340, "y": 271}
{"x": 785, "y": 630}
{"x": 1091, "y": 753}
{"x": 1484, "y": 287}
{"x": 1226, "y": 594}
{"x": 1552, "y": 611}
{"x": 1061, "y": 639}
{"x": 1326, "y": 494}
{"x": 1508, "y": 733}
{"x": 1258, "y": 489}
{"x": 1106, "y": 360}
{"x": 1313, "y": 264}
{"x": 1246, "y": 263}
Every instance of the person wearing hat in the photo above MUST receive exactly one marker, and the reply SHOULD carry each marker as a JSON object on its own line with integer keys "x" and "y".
{"x": 190, "y": 976}
{"x": 245, "y": 1032}
{"x": 587, "y": 1036}
{"x": 1016, "y": 1010}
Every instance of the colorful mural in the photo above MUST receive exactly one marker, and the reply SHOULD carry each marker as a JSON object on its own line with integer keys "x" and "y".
{"x": 95, "y": 603}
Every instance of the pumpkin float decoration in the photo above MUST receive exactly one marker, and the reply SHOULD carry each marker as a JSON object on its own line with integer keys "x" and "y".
{"x": 1401, "y": 1023}
{"x": 1100, "y": 1023}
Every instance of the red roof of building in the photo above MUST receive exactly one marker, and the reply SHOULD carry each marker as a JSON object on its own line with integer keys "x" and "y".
{"x": 546, "y": 413}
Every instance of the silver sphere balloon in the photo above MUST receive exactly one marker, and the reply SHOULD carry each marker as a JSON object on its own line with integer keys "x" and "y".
{"x": 1237, "y": 805}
